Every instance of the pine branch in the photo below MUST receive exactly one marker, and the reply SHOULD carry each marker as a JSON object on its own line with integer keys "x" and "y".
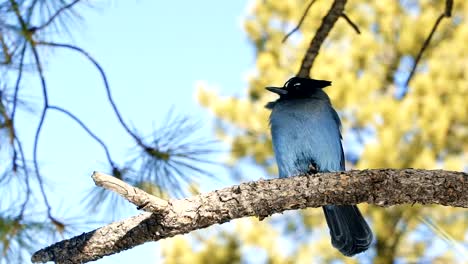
{"x": 56, "y": 14}
{"x": 446, "y": 14}
{"x": 382, "y": 187}
{"x": 300, "y": 21}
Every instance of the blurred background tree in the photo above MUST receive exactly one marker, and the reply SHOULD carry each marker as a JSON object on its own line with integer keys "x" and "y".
{"x": 386, "y": 123}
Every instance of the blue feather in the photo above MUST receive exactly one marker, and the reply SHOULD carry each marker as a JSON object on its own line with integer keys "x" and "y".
{"x": 306, "y": 133}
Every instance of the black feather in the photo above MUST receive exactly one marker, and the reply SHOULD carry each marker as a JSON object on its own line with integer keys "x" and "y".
{"x": 349, "y": 232}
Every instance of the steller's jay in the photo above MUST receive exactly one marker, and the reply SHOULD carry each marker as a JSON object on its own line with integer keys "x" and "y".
{"x": 306, "y": 138}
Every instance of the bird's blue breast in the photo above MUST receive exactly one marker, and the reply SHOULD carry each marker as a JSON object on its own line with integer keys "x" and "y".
{"x": 306, "y": 132}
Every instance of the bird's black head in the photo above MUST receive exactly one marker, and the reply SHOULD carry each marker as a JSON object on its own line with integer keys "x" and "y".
{"x": 297, "y": 88}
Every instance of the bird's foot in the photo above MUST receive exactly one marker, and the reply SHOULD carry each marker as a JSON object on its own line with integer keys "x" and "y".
{"x": 312, "y": 169}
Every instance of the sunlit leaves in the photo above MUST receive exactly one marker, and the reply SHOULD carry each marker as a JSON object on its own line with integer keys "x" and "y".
{"x": 222, "y": 248}
{"x": 427, "y": 128}
{"x": 18, "y": 236}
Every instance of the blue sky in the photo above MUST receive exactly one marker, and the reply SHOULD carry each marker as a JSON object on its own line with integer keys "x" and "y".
{"x": 153, "y": 52}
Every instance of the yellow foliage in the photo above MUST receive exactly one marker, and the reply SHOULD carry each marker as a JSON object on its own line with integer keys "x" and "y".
{"x": 177, "y": 250}
{"x": 220, "y": 249}
{"x": 427, "y": 128}
{"x": 257, "y": 233}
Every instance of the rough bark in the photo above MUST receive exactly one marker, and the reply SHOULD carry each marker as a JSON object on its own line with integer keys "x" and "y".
{"x": 336, "y": 10}
{"x": 383, "y": 187}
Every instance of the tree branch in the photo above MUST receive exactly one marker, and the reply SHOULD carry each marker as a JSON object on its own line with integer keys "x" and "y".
{"x": 382, "y": 187}
{"x": 136, "y": 196}
{"x": 112, "y": 163}
{"x": 106, "y": 85}
{"x": 300, "y": 22}
{"x": 447, "y": 13}
{"x": 351, "y": 23}
{"x": 328, "y": 22}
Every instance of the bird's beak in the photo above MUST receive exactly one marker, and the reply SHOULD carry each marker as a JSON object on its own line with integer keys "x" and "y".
{"x": 277, "y": 90}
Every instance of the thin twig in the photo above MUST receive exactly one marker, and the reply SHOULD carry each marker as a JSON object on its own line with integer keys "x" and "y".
{"x": 15, "y": 137}
{"x": 14, "y": 6}
{"x": 30, "y": 10}
{"x": 327, "y": 24}
{"x": 300, "y": 21}
{"x": 54, "y": 16}
{"x": 26, "y": 174}
{"x": 90, "y": 133}
{"x": 15, "y": 103}
{"x": 6, "y": 52}
{"x": 106, "y": 85}
{"x": 39, "y": 127}
{"x": 448, "y": 8}
{"x": 29, "y": 39}
{"x": 17, "y": 84}
{"x": 447, "y": 13}
{"x": 351, "y": 23}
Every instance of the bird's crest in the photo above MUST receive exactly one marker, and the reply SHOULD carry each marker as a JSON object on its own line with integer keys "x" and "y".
{"x": 297, "y": 87}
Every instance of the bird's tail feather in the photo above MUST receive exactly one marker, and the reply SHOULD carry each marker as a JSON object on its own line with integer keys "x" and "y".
{"x": 349, "y": 232}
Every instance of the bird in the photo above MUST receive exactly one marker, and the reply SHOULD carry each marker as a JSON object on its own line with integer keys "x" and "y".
{"x": 306, "y": 137}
